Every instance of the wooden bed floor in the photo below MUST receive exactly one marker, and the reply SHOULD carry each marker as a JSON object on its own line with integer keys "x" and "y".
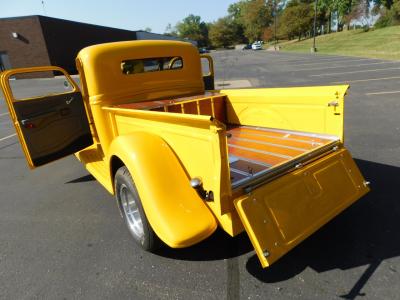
{"x": 255, "y": 151}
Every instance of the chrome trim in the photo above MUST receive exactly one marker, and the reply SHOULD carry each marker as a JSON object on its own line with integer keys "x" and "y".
{"x": 256, "y": 162}
{"x": 241, "y": 172}
{"x": 268, "y": 175}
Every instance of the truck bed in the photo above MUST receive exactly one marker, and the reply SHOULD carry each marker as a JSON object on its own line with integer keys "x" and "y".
{"x": 255, "y": 153}
{"x": 259, "y": 152}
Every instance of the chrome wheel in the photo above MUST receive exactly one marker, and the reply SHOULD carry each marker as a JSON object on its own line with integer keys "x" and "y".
{"x": 131, "y": 212}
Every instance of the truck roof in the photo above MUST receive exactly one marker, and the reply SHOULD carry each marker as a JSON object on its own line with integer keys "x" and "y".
{"x": 104, "y": 78}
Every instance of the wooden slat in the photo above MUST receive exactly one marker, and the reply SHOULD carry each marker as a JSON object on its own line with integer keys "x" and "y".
{"x": 273, "y": 150}
{"x": 268, "y": 159}
{"x": 190, "y": 107}
{"x": 291, "y": 136}
{"x": 220, "y": 109}
{"x": 205, "y": 107}
{"x": 268, "y": 146}
{"x": 274, "y": 140}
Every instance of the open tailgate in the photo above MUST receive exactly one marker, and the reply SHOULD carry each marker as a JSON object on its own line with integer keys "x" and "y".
{"x": 280, "y": 214}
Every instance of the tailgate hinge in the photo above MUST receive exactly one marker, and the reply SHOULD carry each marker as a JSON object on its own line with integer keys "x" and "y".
{"x": 333, "y": 103}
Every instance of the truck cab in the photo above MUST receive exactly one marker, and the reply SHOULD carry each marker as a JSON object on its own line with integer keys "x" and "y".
{"x": 183, "y": 158}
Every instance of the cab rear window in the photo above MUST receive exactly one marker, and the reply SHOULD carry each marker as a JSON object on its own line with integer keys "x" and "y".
{"x": 135, "y": 66}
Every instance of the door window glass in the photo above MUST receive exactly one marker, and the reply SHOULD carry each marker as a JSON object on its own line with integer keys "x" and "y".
{"x": 39, "y": 84}
{"x": 135, "y": 66}
{"x": 205, "y": 66}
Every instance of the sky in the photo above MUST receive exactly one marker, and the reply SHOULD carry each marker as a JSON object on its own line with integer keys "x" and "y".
{"x": 124, "y": 14}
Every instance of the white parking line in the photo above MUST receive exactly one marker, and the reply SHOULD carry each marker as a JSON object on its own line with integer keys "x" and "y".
{"x": 347, "y": 66}
{"x": 3, "y": 114}
{"x": 383, "y": 93}
{"x": 7, "y": 137}
{"x": 370, "y": 79}
{"x": 332, "y": 60}
{"x": 354, "y": 72}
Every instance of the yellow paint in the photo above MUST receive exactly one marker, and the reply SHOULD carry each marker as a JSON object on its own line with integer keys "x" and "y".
{"x": 316, "y": 109}
{"x": 5, "y": 85}
{"x": 163, "y": 151}
{"x": 175, "y": 211}
{"x": 281, "y": 214}
{"x": 197, "y": 141}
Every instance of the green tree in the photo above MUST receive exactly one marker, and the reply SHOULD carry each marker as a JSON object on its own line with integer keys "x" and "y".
{"x": 389, "y": 17}
{"x": 193, "y": 28}
{"x": 170, "y": 30}
{"x": 235, "y": 10}
{"x": 296, "y": 20}
{"x": 224, "y": 32}
{"x": 235, "y": 14}
{"x": 255, "y": 16}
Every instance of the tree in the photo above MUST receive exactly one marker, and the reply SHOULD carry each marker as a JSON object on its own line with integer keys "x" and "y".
{"x": 389, "y": 17}
{"x": 235, "y": 10}
{"x": 255, "y": 16}
{"x": 252, "y": 17}
{"x": 223, "y": 32}
{"x": 170, "y": 31}
{"x": 359, "y": 11}
{"x": 296, "y": 20}
{"x": 193, "y": 28}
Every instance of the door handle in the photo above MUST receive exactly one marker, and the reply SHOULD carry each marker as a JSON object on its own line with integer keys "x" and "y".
{"x": 27, "y": 123}
{"x": 69, "y": 101}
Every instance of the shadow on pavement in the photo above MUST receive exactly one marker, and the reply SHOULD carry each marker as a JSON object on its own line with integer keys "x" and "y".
{"x": 85, "y": 178}
{"x": 365, "y": 234}
{"x": 218, "y": 246}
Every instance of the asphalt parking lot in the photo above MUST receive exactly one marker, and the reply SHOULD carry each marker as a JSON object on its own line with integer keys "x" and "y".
{"x": 61, "y": 236}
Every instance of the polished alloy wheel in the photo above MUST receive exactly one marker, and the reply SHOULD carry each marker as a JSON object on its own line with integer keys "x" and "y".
{"x": 131, "y": 212}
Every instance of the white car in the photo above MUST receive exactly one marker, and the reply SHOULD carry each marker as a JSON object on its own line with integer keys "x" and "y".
{"x": 256, "y": 46}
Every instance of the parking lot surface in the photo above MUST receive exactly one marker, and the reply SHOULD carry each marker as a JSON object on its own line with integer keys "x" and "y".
{"x": 61, "y": 236}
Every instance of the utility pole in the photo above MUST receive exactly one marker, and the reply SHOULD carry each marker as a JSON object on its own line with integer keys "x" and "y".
{"x": 44, "y": 9}
{"x": 314, "y": 49}
{"x": 276, "y": 40}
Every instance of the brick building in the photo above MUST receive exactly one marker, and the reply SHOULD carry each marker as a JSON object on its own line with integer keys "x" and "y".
{"x": 39, "y": 41}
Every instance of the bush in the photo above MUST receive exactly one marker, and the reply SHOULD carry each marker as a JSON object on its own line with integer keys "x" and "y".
{"x": 389, "y": 17}
{"x": 383, "y": 21}
{"x": 268, "y": 34}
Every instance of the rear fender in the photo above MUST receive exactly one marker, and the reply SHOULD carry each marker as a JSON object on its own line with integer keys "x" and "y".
{"x": 176, "y": 213}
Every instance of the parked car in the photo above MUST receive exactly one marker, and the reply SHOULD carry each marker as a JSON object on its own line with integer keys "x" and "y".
{"x": 203, "y": 50}
{"x": 256, "y": 46}
{"x": 246, "y": 47}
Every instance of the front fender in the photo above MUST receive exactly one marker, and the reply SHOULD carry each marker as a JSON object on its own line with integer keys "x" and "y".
{"x": 176, "y": 213}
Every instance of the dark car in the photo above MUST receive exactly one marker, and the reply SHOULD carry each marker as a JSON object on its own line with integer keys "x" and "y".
{"x": 203, "y": 50}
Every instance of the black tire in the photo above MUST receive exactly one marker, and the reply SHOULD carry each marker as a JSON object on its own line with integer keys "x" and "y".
{"x": 132, "y": 210}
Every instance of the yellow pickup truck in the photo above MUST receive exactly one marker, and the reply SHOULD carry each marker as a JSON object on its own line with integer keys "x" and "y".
{"x": 183, "y": 158}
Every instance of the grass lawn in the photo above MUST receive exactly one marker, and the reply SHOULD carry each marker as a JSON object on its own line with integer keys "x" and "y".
{"x": 379, "y": 43}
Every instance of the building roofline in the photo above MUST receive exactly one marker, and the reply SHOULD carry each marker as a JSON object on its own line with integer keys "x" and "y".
{"x": 40, "y": 17}
{"x": 20, "y": 17}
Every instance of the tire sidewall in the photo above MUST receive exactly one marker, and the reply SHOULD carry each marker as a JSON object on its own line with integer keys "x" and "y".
{"x": 147, "y": 242}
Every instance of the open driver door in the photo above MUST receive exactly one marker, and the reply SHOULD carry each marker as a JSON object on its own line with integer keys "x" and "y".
{"x": 49, "y": 126}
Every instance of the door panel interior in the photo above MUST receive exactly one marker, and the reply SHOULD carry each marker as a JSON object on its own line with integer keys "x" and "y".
{"x": 53, "y": 126}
